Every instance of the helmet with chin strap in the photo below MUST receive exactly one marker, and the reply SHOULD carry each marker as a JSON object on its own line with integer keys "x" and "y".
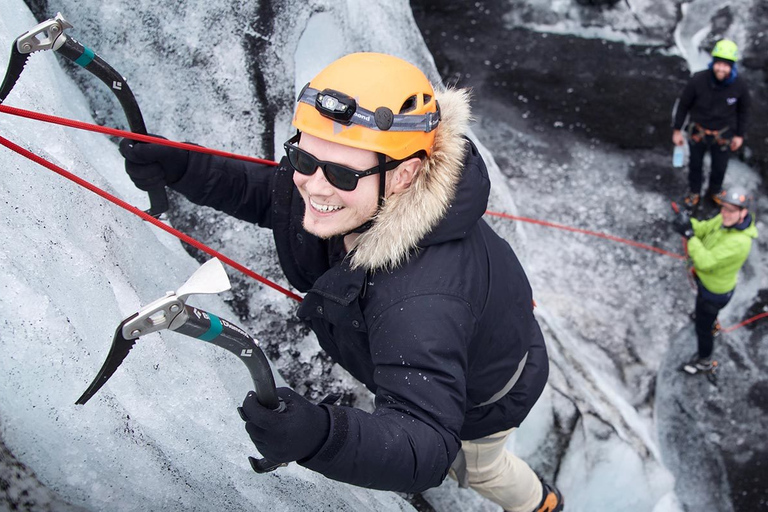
{"x": 371, "y": 101}
{"x": 736, "y": 196}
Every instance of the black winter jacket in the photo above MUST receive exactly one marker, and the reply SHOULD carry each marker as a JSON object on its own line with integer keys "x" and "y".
{"x": 433, "y": 338}
{"x": 714, "y": 105}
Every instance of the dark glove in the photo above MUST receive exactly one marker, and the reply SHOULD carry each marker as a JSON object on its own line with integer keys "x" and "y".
{"x": 682, "y": 224}
{"x": 296, "y": 433}
{"x": 151, "y": 166}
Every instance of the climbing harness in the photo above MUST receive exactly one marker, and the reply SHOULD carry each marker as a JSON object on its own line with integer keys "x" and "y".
{"x": 698, "y": 133}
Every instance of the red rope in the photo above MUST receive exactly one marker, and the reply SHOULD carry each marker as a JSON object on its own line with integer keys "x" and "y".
{"x": 200, "y": 149}
{"x": 191, "y": 147}
{"x": 119, "y": 202}
{"x": 128, "y": 135}
{"x": 745, "y": 322}
{"x": 587, "y": 232}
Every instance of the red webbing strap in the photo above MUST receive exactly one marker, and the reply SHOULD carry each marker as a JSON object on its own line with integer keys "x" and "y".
{"x": 745, "y": 322}
{"x": 191, "y": 147}
{"x": 119, "y": 202}
{"x": 128, "y": 135}
{"x": 587, "y": 232}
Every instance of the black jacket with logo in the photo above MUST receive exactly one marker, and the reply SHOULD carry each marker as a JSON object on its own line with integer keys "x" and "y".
{"x": 715, "y": 105}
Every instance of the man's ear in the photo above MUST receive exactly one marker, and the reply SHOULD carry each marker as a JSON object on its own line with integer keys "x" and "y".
{"x": 403, "y": 176}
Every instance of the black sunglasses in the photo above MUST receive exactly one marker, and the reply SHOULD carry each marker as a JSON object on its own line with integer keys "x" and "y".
{"x": 340, "y": 176}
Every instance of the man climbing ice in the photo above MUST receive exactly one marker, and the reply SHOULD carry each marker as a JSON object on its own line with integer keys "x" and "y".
{"x": 376, "y": 211}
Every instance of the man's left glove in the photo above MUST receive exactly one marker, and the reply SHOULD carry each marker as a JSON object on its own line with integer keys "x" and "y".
{"x": 682, "y": 225}
{"x": 296, "y": 433}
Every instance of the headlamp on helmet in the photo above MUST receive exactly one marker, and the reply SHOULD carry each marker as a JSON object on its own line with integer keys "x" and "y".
{"x": 336, "y": 105}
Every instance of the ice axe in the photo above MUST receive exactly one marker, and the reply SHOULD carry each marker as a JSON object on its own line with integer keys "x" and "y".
{"x": 49, "y": 35}
{"x": 171, "y": 312}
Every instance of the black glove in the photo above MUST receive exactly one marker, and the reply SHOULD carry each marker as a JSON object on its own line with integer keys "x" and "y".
{"x": 151, "y": 166}
{"x": 296, "y": 433}
{"x": 682, "y": 224}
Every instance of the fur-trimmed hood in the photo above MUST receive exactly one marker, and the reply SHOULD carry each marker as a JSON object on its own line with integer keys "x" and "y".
{"x": 442, "y": 203}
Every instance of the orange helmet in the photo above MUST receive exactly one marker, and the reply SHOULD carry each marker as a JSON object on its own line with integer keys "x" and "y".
{"x": 370, "y": 101}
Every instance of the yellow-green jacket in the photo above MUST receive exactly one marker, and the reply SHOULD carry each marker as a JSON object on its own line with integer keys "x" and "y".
{"x": 718, "y": 252}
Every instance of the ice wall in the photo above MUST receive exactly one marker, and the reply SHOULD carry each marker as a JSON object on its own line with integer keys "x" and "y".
{"x": 163, "y": 434}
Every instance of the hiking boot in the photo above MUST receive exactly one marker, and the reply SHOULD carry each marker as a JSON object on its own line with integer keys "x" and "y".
{"x": 551, "y": 501}
{"x": 699, "y": 365}
{"x": 704, "y": 365}
{"x": 691, "y": 200}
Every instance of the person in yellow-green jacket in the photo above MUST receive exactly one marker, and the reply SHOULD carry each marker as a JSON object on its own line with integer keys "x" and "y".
{"x": 717, "y": 247}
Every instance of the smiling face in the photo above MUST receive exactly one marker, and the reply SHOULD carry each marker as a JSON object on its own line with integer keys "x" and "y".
{"x": 732, "y": 214}
{"x": 328, "y": 210}
{"x": 721, "y": 70}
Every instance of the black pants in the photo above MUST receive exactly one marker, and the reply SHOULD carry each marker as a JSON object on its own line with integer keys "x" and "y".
{"x": 719, "y": 155}
{"x": 708, "y": 305}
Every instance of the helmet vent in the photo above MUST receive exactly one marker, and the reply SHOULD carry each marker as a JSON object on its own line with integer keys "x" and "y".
{"x": 427, "y": 99}
{"x": 408, "y": 105}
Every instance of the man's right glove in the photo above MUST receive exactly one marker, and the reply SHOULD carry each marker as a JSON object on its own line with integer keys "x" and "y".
{"x": 152, "y": 165}
{"x": 296, "y": 433}
{"x": 682, "y": 224}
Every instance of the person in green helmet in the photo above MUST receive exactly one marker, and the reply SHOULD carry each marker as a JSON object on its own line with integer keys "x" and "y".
{"x": 717, "y": 101}
{"x": 718, "y": 248}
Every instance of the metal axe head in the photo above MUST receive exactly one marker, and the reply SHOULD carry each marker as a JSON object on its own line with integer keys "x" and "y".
{"x": 156, "y": 316}
{"x": 209, "y": 278}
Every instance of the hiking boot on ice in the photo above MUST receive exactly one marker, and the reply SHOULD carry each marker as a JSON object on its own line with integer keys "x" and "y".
{"x": 712, "y": 197}
{"x": 699, "y": 365}
{"x": 691, "y": 200}
{"x": 552, "y": 500}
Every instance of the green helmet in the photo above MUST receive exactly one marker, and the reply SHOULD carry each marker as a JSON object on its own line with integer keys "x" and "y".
{"x": 726, "y": 49}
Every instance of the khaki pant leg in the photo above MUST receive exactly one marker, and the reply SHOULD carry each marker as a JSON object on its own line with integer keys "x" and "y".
{"x": 500, "y": 476}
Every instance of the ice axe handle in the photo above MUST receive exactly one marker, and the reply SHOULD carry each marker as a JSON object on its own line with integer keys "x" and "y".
{"x": 207, "y": 326}
{"x": 263, "y": 465}
{"x": 158, "y": 201}
{"x": 98, "y": 67}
